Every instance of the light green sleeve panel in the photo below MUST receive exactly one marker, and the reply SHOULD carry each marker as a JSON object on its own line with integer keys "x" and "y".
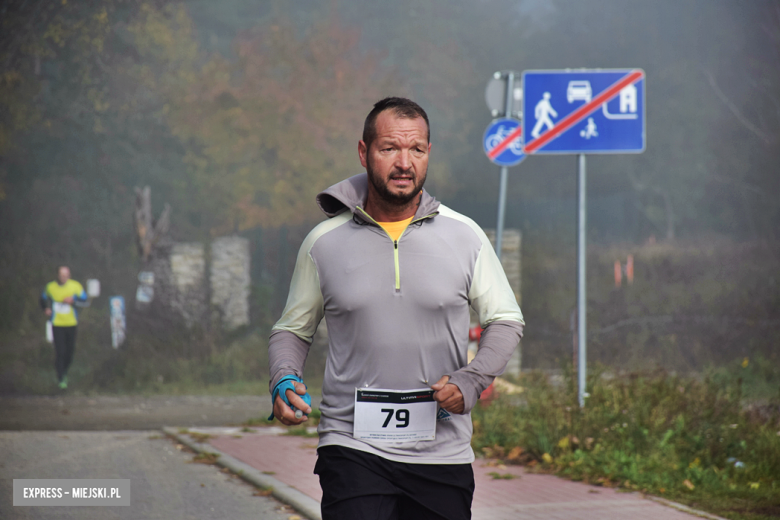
{"x": 490, "y": 294}
{"x": 305, "y": 306}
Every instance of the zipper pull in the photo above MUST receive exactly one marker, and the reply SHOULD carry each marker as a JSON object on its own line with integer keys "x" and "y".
{"x": 395, "y": 244}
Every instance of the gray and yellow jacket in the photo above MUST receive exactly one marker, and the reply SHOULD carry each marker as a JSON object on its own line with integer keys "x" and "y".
{"x": 398, "y": 316}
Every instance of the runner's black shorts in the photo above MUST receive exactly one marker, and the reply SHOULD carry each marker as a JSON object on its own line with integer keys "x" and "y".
{"x": 362, "y": 486}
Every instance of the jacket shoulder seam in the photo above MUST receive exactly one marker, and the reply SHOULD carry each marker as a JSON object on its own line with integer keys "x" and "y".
{"x": 447, "y": 212}
{"x": 323, "y": 228}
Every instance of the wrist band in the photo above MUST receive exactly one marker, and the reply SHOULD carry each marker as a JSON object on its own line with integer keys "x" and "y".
{"x": 284, "y": 384}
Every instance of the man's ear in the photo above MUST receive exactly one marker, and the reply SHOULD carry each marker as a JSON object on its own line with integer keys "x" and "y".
{"x": 363, "y": 153}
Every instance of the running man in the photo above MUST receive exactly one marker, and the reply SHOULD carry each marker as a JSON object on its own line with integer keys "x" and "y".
{"x": 58, "y": 300}
{"x": 542, "y": 112}
{"x": 393, "y": 272}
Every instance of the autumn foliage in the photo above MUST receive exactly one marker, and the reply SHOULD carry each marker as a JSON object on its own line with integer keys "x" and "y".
{"x": 266, "y": 131}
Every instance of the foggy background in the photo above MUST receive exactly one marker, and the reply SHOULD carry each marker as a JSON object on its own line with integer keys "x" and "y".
{"x": 237, "y": 113}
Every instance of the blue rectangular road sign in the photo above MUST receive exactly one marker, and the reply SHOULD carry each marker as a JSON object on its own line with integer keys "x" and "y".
{"x": 584, "y": 111}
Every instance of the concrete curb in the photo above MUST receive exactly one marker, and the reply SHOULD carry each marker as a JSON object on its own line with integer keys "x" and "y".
{"x": 684, "y": 508}
{"x": 304, "y": 504}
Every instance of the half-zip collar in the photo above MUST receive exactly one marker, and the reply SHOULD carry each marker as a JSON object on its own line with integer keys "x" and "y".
{"x": 351, "y": 195}
{"x": 366, "y": 217}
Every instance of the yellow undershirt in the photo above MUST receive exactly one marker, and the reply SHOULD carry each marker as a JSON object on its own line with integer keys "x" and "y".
{"x": 396, "y": 229}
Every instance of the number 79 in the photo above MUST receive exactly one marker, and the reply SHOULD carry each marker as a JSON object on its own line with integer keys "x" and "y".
{"x": 401, "y": 415}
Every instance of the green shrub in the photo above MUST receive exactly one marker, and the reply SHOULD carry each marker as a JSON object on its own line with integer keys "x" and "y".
{"x": 690, "y": 438}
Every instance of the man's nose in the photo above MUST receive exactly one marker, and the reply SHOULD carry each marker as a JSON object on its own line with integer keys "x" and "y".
{"x": 403, "y": 160}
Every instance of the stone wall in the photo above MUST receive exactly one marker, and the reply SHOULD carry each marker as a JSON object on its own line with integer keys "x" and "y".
{"x": 188, "y": 277}
{"x": 230, "y": 281}
{"x": 181, "y": 288}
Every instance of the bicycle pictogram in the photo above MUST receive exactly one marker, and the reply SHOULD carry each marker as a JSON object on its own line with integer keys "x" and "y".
{"x": 502, "y": 132}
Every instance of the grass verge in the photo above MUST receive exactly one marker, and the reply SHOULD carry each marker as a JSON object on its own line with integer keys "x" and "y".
{"x": 690, "y": 439}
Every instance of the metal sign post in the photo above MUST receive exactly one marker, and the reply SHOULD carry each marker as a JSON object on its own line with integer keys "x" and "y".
{"x": 501, "y": 211}
{"x": 510, "y": 88}
{"x": 500, "y": 137}
{"x": 578, "y": 112}
{"x": 581, "y": 278}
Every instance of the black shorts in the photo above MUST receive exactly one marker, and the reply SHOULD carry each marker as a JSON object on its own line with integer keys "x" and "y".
{"x": 361, "y": 486}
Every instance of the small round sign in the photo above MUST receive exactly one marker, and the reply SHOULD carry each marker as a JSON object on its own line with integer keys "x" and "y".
{"x": 497, "y": 132}
{"x": 495, "y": 94}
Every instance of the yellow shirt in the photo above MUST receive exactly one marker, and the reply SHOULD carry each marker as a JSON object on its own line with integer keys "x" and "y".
{"x": 64, "y": 314}
{"x": 396, "y": 229}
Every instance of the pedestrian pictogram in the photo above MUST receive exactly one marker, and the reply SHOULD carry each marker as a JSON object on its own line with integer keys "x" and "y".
{"x": 584, "y": 111}
{"x": 542, "y": 112}
{"x": 503, "y": 142}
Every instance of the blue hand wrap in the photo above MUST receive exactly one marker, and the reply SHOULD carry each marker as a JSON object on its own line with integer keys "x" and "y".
{"x": 284, "y": 384}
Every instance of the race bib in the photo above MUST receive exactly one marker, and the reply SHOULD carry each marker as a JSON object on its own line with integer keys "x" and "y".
{"x": 61, "y": 308}
{"x": 394, "y": 415}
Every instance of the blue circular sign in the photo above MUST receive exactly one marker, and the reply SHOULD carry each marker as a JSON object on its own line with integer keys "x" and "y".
{"x": 496, "y": 133}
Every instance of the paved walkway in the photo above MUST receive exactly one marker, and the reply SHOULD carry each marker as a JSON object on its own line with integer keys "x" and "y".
{"x": 291, "y": 459}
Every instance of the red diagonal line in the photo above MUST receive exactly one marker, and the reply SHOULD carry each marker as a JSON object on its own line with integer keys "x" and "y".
{"x": 584, "y": 111}
{"x": 495, "y": 152}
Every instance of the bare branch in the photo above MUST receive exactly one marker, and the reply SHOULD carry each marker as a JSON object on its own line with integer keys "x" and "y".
{"x": 744, "y": 186}
{"x": 163, "y": 223}
{"x": 149, "y": 232}
{"x": 768, "y": 139}
{"x": 143, "y": 221}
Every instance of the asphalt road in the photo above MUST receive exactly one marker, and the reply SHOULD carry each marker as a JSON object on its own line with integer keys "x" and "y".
{"x": 132, "y": 412}
{"x": 164, "y": 483}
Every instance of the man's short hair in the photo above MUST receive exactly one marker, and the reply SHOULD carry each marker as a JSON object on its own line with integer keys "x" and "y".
{"x": 401, "y": 107}
{"x": 60, "y": 267}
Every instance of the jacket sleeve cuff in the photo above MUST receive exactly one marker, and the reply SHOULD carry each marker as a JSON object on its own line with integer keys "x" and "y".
{"x": 496, "y": 346}
{"x": 471, "y": 386}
